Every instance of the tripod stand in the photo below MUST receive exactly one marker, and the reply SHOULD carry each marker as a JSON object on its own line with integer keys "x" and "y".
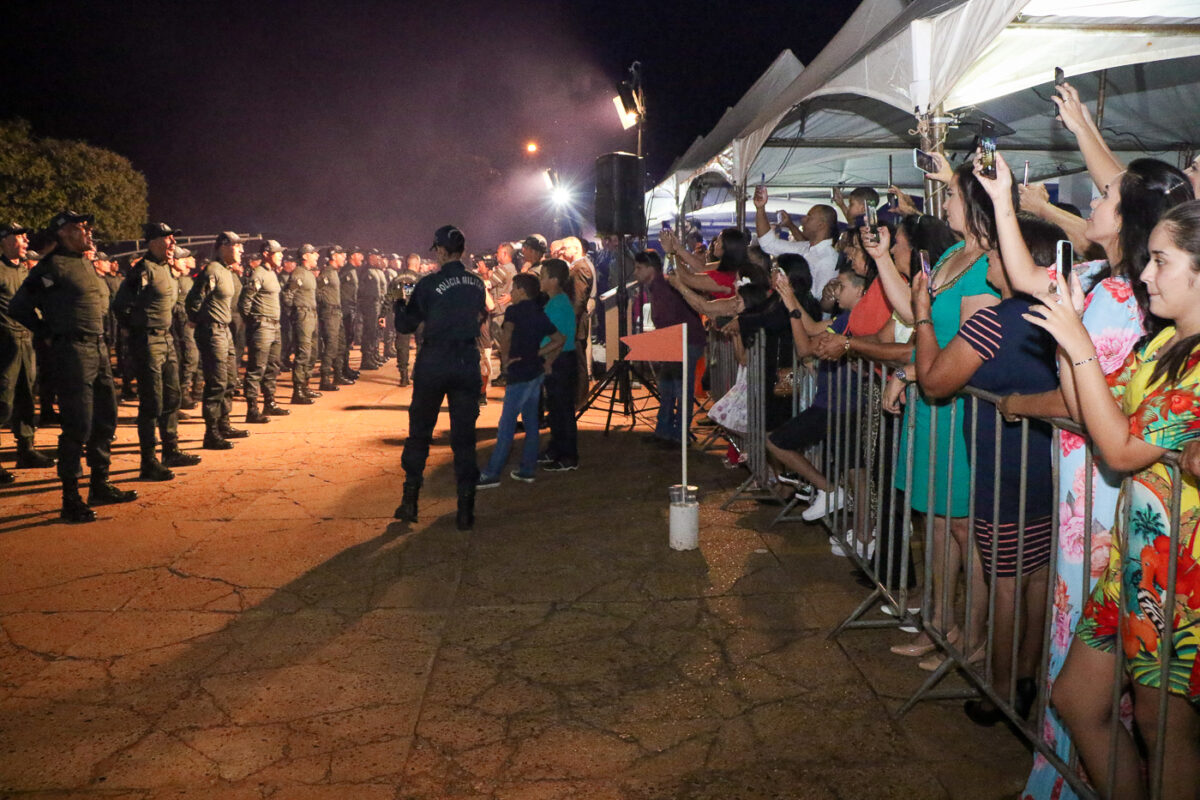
{"x": 616, "y": 385}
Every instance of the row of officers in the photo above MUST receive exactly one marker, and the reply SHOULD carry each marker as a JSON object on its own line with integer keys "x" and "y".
{"x": 176, "y": 322}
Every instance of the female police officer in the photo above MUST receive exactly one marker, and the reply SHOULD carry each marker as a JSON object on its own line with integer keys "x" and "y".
{"x": 451, "y": 305}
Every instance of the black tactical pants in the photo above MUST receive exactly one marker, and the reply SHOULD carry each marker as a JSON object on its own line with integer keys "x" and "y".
{"x": 350, "y": 324}
{"x": 370, "y": 339}
{"x": 403, "y": 346}
{"x": 156, "y": 363}
{"x": 449, "y": 370}
{"x": 329, "y": 341}
{"x": 17, "y": 378}
{"x": 216, "y": 349}
{"x": 189, "y": 356}
{"x": 263, "y": 342}
{"x": 87, "y": 402}
{"x": 304, "y": 334}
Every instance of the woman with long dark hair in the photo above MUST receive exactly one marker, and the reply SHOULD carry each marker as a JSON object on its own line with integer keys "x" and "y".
{"x": 1116, "y": 313}
{"x": 1134, "y": 416}
{"x": 959, "y": 287}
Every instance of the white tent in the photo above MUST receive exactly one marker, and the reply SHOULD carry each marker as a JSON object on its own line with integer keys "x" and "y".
{"x": 859, "y": 101}
{"x": 707, "y": 153}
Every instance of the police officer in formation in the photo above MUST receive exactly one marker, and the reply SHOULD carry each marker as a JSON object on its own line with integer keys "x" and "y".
{"x": 300, "y": 296}
{"x": 145, "y": 305}
{"x": 210, "y": 307}
{"x": 451, "y": 306}
{"x": 18, "y": 370}
{"x": 64, "y": 298}
{"x": 260, "y": 308}
{"x": 191, "y": 385}
{"x": 401, "y": 288}
{"x": 350, "y": 317}
{"x": 329, "y": 321}
{"x": 372, "y": 287}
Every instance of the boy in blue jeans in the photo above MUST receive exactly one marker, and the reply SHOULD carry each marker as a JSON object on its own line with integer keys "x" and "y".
{"x": 525, "y": 364}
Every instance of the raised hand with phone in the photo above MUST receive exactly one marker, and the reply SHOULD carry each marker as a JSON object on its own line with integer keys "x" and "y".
{"x": 1102, "y": 165}
{"x": 1023, "y": 274}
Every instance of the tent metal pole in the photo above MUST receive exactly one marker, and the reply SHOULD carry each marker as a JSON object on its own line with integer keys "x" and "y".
{"x": 739, "y": 213}
{"x": 933, "y": 135}
{"x": 1101, "y": 95}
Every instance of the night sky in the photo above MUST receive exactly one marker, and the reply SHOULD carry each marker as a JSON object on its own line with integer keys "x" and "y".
{"x": 373, "y": 123}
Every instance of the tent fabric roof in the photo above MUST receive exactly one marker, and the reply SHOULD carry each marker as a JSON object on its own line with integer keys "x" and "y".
{"x": 855, "y": 103}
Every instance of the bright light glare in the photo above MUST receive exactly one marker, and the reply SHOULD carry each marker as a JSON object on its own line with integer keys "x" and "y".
{"x": 532, "y": 147}
{"x": 560, "y": 196}
{"x": 551, "y": 179}
{"x": 627, "y": 120}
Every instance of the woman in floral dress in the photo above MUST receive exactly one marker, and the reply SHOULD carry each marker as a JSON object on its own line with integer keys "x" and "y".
{"x": 1130, "y": 205}
{"x": 1157, "y": 411}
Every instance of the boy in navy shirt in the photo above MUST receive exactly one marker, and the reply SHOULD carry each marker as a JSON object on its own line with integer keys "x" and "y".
{"x": 525, "y": 363}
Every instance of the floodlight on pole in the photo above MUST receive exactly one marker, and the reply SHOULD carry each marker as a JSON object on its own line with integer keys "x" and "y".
{"x": 628, "y": 119}
{"x": 531, "y": 148}
{"x": 551, "y": 178}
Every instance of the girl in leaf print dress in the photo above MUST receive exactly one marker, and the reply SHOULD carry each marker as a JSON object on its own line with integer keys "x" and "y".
{"x": 1157, "y": 410}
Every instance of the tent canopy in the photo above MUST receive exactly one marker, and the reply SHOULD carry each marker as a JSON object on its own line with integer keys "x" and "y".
{"x": 856, "y": 103}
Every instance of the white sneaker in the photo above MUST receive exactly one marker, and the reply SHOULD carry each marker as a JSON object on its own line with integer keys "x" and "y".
{"x": 823, "y": 503}
{"x": 838, "y": 546}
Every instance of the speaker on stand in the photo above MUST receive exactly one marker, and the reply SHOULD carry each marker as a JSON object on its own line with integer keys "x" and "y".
{"x": 620, "y": 210}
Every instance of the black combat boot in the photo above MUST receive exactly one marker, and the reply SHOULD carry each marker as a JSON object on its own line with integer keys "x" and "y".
{"x": 404, "y": 379}
{"x": 407, "y": 510}
{"x": 153, "y": 469}
{"x": 101, "y": 490}
{"x": 213, "y": 440}
{"x": 6, "y": 477}
{"x": 253, "y": 415}
{"x": 329, "y": 385}
{"x": 272, "y": 409}
{"x": 174, "y": 457}
{"x": 73, "y": 507}
{"x": 227, "y": 431}
{"x": 299, "y": 398}
{"x": 464, "y": 520}
{"x": 28, "y": 457}
{"x": 309, "y": 393}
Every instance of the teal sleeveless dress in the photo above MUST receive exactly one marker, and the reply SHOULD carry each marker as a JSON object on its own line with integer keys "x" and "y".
{"x": 951, "y": 458}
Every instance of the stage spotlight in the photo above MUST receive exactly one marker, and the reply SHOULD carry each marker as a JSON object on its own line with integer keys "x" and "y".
{"x": 628, "y": 118}
{"x": 531, "y": 148}
{"x": 560, "y": 196}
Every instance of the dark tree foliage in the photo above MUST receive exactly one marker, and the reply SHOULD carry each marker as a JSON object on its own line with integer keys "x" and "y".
{"x": 40, "y": 177}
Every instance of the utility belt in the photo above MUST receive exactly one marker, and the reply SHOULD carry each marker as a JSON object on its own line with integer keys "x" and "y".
{"x": 76, "y": 336}
{"x": 147, "y": 331}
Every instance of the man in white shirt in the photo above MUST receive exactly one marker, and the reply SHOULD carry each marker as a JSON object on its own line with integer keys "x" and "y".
{"x": 817, "y": 236}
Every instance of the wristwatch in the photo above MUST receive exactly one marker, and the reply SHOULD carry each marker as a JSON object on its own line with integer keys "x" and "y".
{"x": 796, "y": 313}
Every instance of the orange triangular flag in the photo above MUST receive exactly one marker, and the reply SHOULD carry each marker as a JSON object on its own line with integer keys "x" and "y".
{"x": 661, "y": 344}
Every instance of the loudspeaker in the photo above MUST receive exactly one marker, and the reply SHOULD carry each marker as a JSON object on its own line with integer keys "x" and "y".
{"x": 620, "y": 201}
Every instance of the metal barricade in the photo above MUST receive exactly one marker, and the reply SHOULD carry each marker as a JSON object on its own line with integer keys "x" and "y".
{"x": 758, "y": 483}
{"x": 862, "y": 453}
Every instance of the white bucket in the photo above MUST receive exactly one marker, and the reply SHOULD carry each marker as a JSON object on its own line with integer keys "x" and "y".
{"x": 684, "y": 518}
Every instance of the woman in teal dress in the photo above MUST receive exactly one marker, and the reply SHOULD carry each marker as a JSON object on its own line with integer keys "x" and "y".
{"x": 960, "y": 288}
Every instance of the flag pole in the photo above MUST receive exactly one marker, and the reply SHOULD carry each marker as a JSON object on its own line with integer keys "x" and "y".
{"x": 684, "y": 407}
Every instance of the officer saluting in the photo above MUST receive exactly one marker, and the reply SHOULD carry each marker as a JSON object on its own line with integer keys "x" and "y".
{"x": 145, "y": 304}
{"x": 450, "y": 304}
{"x": 72, "y": 301}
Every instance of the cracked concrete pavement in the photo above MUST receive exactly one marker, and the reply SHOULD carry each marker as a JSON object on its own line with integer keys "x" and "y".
{"x": 260, "y": 627}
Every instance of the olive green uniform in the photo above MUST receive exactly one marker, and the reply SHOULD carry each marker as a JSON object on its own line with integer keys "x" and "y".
{"x": 209, "y": 306}
{"x": 64, "y": 299}
{"x": 145, "y": 305}
{"x": 18, "y": 371}
{"x": 300, "y": 296}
